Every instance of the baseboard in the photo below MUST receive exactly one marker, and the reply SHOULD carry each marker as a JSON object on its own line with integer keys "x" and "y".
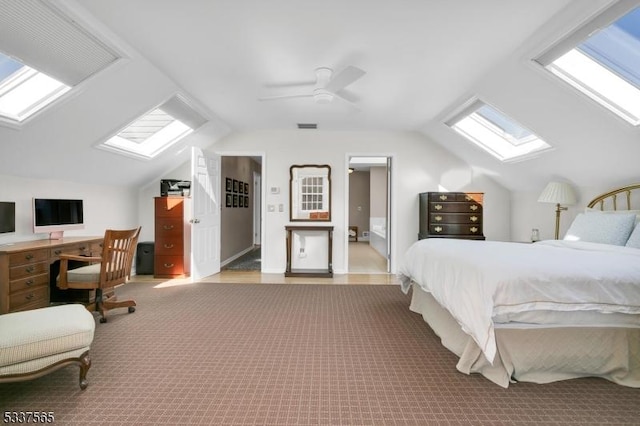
{"x": 236, "y": 256}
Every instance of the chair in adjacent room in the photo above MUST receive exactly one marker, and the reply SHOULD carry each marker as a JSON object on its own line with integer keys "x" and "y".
{"x": 105, "y": 272}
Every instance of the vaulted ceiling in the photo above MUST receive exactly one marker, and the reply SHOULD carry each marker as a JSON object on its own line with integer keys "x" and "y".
{"x": 421, "y": 58}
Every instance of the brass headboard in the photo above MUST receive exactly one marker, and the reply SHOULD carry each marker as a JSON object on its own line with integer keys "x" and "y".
{"x": 613, "y": 197}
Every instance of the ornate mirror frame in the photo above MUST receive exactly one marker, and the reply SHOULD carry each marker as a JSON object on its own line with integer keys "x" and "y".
{"x": 310, "y": 193}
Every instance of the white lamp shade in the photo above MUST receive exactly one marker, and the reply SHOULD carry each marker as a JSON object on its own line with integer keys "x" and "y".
{"x": 558, "y": 193}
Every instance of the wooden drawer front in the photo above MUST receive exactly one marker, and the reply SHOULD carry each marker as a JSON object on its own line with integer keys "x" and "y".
{"x": 29, "y": 299}
{"x": 168, "y": 265}
{"x": 96, "y": 249}
{"x": 28, "y": 283}
{"x": 25, "y": 257}
{"x": 169, "y": 246}
{"x": 168, "y": 227}
{"x": 454, "y": 207}
{"x": 78, "y": 250}
{"x": 444, "y": 197}
{"x": 444, "y": 218}
{"x": 28, "y": 270}
{"x": 451, "y": 229}
{"x": 169, "y": 207}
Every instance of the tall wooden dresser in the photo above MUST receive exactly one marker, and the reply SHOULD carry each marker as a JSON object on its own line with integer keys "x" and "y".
{"x": 172, "y": 236}
{"x": 451, "y": 215}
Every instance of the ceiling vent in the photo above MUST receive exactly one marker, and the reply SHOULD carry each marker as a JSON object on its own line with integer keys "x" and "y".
{"x": 307, "y": 126}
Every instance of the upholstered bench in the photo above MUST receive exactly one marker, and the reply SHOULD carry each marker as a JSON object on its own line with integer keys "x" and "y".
{"x": 34, "y": 343}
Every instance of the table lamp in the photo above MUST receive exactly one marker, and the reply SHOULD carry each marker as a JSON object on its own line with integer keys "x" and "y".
{"x": 561, "y": 194}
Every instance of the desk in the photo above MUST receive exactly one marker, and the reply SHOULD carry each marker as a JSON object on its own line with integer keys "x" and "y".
{"x": 325, "y": 272}
{"x": 25, "y": 269}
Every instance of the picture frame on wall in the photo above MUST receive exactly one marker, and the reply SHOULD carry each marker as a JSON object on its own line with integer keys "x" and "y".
{"x": 235, "y": 200}
{"x": 228, "y": 184}
{"x": 246, "y": 201}
{"x": 235, "y": 185}
{"x": 246, "y": 188}
{"x": 229, "y": 200}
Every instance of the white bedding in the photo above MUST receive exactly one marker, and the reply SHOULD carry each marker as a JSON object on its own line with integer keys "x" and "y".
{"x": 478, "y": 281}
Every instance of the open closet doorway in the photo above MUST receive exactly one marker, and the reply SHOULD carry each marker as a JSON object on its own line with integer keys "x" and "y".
{"x": 241, "y": 215}
{"x": 369, "y": 234}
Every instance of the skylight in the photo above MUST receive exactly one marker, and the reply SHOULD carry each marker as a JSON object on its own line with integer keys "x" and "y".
{"x": 24, "y": 90}
{"x": 496, "y": 133}
{"x": 605, "y": 65}
{"x": 157, "y": 130}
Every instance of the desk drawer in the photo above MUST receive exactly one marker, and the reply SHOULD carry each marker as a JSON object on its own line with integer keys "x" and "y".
{"x": 28, "y": 283}
{"x": 26, "y": 257}
{"x": 28, "y": 270}
{"x": 77, "y": 249}
{"x": 29, "y": 299}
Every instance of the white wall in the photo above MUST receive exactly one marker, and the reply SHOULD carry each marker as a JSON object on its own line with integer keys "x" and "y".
{"x": 528, "y": 213}
{"x": 419, "y": 165}
{"x": 104, "y": 206}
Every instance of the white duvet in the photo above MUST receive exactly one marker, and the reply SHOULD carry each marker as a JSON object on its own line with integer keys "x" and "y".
{"x": 477, "y": 280}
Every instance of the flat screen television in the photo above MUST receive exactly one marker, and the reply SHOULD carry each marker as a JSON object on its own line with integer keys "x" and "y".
{"x": 55, "y": 216}
{"x": 7, "y": 217}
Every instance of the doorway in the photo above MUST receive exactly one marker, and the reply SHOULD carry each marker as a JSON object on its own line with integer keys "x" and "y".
{"x": 241, "y": 217}
{"x": 369, "y": 233}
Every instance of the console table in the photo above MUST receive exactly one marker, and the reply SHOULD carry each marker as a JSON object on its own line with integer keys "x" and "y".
{"x": 324, "y": 272}
{"x": 25, "y": 269}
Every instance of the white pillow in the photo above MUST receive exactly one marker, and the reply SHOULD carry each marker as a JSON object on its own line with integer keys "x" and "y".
{"x": 601, "y": 228}
{"x": 634, "y": 238}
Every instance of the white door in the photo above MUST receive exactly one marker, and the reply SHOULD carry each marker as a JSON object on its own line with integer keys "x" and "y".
{"x": 205, "y": 220}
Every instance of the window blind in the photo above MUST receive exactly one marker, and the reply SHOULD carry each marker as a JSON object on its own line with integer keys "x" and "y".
{"x": 42, "y": 37}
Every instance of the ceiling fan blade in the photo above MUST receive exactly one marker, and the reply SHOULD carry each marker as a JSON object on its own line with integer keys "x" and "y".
{"x": 273, "y": 98}
{"x": 344, "y": 78}
{"x": 290, "y": 84}
{"x": 347, "y": 101}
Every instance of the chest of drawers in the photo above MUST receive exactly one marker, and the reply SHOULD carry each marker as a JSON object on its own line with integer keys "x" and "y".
{"x": 171, "y": 249}
{"x": 28, "y": 270}
{"x": 451, "y": 215}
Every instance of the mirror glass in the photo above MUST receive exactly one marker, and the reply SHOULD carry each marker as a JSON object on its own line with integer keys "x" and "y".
{"x": 310, "y": 193}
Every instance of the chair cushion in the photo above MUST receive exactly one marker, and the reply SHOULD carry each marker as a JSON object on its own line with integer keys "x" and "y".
{"x": 44, "y": 332}
{"x": 84, "y": 274}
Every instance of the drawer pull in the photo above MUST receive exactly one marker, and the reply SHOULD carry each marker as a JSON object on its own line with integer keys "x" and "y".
{"x": 473, "y": 207}
{"x": 29, "y": 296}
{"x": 443, "y": 197}
{"x": 83, "y": 248}
{"x": 168, "y": 246}
{"x": 29, "y": 256}
{"x": 29, "y": 282}
{"x": 438, "y": 218}
{"x": 169, "y": 265}
{"x": 57, "y": 252}
{"x": 473, "y": 218}
{"x": 438, "y": 207}
{"x": 168, "y": 227}
{"x": 29, "y": 269}
{"x": 438, "y": 229}
{"x": 474, "y": 229}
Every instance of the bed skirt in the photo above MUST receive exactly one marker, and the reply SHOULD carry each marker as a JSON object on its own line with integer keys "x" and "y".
{"x": 538, "y": 355}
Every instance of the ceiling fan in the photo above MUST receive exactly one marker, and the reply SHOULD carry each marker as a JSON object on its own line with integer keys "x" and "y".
{"x": 327, "y": 86}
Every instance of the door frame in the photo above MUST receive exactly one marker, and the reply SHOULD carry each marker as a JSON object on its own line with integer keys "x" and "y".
{"x": 391, "y": 201}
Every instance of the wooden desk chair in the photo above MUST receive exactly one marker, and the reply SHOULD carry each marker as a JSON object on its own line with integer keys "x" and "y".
{"x": 105, "y": 272}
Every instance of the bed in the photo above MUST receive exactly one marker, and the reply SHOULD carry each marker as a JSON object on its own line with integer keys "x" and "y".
{"x": 540, "y": 312}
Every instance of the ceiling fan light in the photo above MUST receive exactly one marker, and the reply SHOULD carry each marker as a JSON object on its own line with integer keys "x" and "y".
{"x": 323, "y": 98}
